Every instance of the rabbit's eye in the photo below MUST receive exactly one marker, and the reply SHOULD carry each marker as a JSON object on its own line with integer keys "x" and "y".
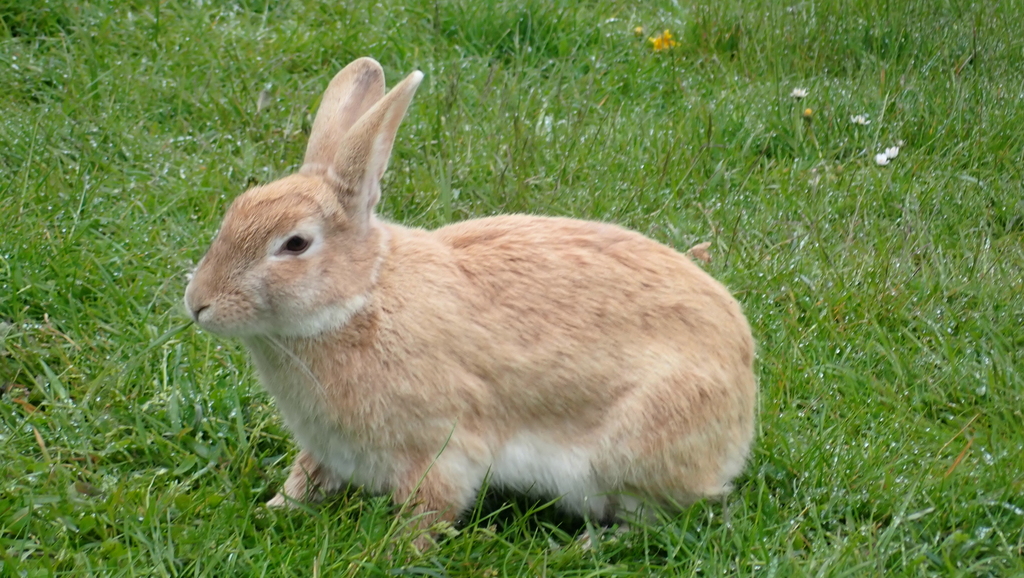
{"x": 295, "y": 245}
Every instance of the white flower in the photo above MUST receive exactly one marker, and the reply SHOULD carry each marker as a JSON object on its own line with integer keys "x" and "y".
{"x": 892, "y": 152}
{"x": 799, "y": 93}
{"x": 881, "y": 159}
{"x": 861, "y": 119}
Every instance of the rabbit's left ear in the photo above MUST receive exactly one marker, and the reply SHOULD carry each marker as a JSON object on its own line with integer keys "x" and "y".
{"x": 349, "y": 95}
{"x": 365, "y": 149}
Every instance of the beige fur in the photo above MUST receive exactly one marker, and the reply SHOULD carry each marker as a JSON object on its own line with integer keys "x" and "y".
{"x": 562, "y": 357}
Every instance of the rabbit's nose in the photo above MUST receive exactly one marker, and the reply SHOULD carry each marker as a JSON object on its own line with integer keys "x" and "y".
{"x": 197, "y": 311}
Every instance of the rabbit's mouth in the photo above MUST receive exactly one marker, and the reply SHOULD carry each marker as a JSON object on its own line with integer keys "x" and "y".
{"x": 226, "y": 315}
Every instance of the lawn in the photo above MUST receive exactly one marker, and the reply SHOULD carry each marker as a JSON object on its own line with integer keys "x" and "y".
{"x": 887, "y": 300}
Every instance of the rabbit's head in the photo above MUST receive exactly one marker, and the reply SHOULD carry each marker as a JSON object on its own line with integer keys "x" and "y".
{"x": 299, "y": 256}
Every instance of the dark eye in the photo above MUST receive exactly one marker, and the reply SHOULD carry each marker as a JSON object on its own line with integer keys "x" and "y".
{"x": 295, "y": 245}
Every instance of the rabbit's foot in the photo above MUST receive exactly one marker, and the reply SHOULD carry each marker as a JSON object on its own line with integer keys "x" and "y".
{"x": 309, "y": 481}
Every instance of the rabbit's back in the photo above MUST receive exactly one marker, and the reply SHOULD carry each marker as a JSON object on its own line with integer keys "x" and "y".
{"x": 556, "y": 292}
{"x": 571, "y": 358}
{"x": 599, "y": 336}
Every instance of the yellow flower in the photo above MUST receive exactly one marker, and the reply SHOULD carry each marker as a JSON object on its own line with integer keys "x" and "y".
{"x": 663, "y": 41}
{"x": 639, "y": 31}
{"x": 808, "y": 113}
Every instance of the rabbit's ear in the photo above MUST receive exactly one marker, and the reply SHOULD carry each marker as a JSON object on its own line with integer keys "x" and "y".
{"x": 364, "y": 150}
{"x": 349, "y": 95}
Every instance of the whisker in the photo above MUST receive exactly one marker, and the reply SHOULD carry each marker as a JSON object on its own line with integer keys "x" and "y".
{"x": 302, "y": 364}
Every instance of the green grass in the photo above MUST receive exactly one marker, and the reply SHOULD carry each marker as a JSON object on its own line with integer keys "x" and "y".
{"x": 888, "y": 302}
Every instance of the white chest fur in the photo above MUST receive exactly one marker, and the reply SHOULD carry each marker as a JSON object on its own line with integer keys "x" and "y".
{"x": 335, "y": 449}
{"x": 300, "y": 399}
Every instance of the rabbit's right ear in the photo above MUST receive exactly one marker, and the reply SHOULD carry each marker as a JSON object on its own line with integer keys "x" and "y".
{"x": 350, "y": 94}
{"x": 366, "y": 148}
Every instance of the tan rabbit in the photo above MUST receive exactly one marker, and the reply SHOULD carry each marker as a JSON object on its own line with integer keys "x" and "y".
{"x": 560, "y": 357}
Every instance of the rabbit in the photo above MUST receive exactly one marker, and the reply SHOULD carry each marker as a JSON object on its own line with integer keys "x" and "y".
{"x": 551, "y": 356}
